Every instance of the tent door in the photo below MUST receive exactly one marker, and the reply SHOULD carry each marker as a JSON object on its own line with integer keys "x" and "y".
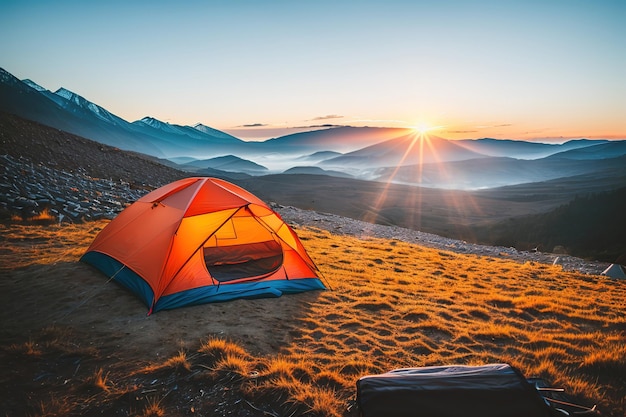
{"x": 243, "y": 262}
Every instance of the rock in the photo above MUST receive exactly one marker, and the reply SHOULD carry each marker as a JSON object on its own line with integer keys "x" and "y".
{"x": 26, "y": 189}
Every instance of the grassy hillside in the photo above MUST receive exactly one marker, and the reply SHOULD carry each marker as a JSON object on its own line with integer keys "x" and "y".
{"x": 74, "y": 344}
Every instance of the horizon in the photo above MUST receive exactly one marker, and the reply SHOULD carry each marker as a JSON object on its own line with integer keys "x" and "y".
{"x": 529, "y": 71}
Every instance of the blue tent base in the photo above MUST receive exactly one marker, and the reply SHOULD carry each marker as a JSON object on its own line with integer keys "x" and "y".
{"x": 246, "y": 290}
{"x": 201, "y": 295}
{"x": 113, "y": 268}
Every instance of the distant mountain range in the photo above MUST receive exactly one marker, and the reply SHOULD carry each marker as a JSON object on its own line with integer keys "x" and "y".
{"x": 380, "y": 154}
{"x": 228, "y": 163}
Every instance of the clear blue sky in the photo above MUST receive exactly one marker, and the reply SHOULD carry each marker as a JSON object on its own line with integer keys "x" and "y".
{"x": 506, "y": 69}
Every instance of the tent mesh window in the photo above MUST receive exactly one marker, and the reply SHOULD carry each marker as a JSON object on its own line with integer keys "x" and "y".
{"x": 250, "y": 260}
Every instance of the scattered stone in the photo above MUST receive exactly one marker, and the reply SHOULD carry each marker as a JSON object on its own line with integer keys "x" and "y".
{"x": 68, "y": 196}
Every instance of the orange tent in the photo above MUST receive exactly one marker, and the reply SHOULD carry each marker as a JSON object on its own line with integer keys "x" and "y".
{"x": 201, "y": 240}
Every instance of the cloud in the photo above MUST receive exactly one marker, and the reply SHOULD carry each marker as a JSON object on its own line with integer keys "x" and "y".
{"x": 493, "y": 126}
{"x": 393, "y": 121}
{"x": 318, "y": 126}
{"x": 461, "y": 131}
{"x": 254, "y": 125}
{"x": 330, "y": 116}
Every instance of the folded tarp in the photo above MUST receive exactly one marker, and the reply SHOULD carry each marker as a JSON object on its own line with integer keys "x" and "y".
{"x": 495, "y": 390}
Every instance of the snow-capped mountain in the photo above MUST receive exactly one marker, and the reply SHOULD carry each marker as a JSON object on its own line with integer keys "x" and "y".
{"x": 212, "y": 132}
{"x": 66, "y": 110}
{"x": 214, "y": 135}
{"x": 7, "y": 78}
{"x": 33, "y": 85}
{"x": 157, "y": 124}
{"x": 83, "y": 103}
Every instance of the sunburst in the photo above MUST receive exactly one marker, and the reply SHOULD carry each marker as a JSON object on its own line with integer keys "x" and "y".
{"x": 422, "y": 128}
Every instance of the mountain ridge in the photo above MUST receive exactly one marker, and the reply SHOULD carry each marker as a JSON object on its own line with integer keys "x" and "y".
{"x": 371, "y": 153}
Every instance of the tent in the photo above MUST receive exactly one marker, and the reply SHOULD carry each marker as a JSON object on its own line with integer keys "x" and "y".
{"x": 615, "y": 271}
{"x": 201, "y": 240}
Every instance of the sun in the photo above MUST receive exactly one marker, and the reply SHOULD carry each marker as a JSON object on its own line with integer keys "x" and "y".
{"x": 422, "y": 128}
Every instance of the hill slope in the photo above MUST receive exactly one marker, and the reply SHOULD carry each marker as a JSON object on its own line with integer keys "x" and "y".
{"x": 590, "y": 226}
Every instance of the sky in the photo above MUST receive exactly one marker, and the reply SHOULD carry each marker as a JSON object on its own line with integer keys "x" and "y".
{"x": 534, "y": 70}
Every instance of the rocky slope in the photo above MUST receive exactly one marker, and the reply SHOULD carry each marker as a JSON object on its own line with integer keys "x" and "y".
{"x": 73, "y": 178}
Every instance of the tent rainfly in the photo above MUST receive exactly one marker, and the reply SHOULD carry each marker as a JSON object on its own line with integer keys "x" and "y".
{"x": 201, "y": 240}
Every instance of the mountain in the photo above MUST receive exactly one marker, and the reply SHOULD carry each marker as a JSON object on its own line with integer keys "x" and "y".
{"x": 457, "y": 164}
{"x": 61, "y": 101}
{"x": 319, "y": 156}
{"x": 71, "y": 112}
{"x": 478, "y": 216}
{"x": 73, "y": 100}
{"x": 316, "y": 171}
{"x": 409, "y": 149}
{"x": 336, "y": 139}
{"x": 19, "y": 98}
{"x": 602, "y": 150}
{"x": 522, "y": 149}
{"x": 25, "y": 101}
{"x": 42, "y": 146}
{"x": 494, "y": 172}
{"x": 228, "y": 163}
{"x": 213, "y": 132}
{"x": 589, "y": 226}
{"x": 33, "y": 85}
{"x": 203, "y": 134}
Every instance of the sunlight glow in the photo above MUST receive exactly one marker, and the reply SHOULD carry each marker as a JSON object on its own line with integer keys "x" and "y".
{"x": 422, "y": 128}
{"x": 420, "y": 148}
{"x": 415, "y": 145}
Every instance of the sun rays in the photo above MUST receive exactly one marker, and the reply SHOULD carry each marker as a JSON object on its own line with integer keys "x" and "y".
{"x": 416, "y": 143}
{"x": 417, "y": 149}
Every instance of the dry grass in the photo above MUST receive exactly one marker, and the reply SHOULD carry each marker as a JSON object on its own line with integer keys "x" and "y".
{"x": 405, "y": 305}
{"x": 153, "y": 408}
{"x": 45, "y": 217}
{"x": 177, "y": 362}
{"x": 100, "y": 380}
{"x": 392, "y": 305}
{"x": 52, "y": 407}
{"x": 23, "y": 244}
{"x": 218, "y": 348}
